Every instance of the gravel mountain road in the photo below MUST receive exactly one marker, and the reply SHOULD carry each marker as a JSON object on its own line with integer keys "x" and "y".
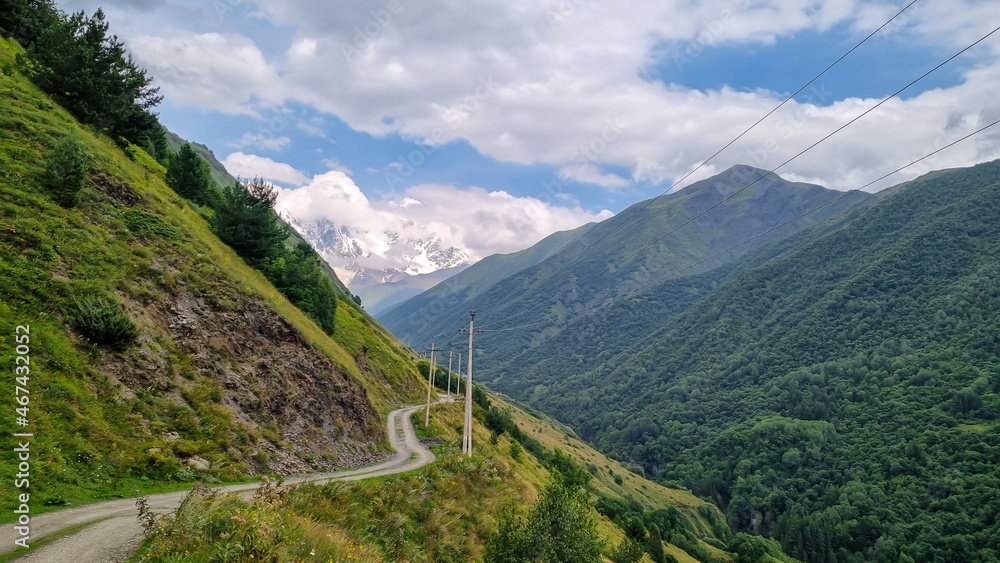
{"x": 112, "y": 532}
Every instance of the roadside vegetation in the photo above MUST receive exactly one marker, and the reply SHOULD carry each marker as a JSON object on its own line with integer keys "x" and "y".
{"x": 508, "y": 502}
{"x": 92, "y": 241}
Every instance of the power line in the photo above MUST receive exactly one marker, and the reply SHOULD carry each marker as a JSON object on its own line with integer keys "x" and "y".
{"x": 649, "y": 202}
{"x": 776, "y": 227}
{"x": 745, "y": 131}
{"x": 768, "y": 173}
{"x": 800, "y": 153}
{"x": 831, "y": 202}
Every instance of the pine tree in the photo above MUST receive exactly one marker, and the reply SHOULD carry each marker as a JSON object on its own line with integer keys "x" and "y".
{"x": 66, "y": 171}
{"x": 188, "y": 175}
{"x": 654, "y": 544}
{"x": 245, "y": 221}
{"x": 89, "y": 73}
{"x": 24, "y": 20}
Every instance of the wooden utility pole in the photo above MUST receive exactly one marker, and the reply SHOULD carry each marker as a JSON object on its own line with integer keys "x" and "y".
{"x": 467, "y": 426}
{"x": 430, "y": 383}
{"x": 450, "y": 354}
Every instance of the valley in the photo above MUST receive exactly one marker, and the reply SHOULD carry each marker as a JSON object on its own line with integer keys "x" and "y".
{"x": 221, "y": 358}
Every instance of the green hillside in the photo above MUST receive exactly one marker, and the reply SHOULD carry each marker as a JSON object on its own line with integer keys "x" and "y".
{"x": 159, "y": 357}
{"x": 842, "y": 397}
{"x": 609, "y": 331}
{"x": 208, "y": 372}
{"x": 451, "y": 510}
{"x": 566, "y": 285}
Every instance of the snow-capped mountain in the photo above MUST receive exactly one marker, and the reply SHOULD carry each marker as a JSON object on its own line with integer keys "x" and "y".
{"x": 364, "y": 259}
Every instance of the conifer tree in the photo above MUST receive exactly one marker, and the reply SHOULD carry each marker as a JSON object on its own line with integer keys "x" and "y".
{"x": 188, "y": 175}
{"x": 246, "y": 221}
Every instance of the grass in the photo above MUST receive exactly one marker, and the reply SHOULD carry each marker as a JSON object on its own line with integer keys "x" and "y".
{"x": 131, "y": 240}
{"x": 441, "y": 512}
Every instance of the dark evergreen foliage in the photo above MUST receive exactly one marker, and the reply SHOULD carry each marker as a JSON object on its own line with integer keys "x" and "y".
{"x": 24, "y": 20}
{"x": 245, "y": 220}
{"x": 88, "y": 72}
{"x": 297, "y": 275}
{"x": 66, "y": 171}
{"x": 841, "y": 398}
{"x": 188, "y": 175}
{"x": 102, "y": 320}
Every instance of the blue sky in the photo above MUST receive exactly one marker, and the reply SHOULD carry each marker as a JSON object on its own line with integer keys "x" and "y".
{"x": 570, "y": 109}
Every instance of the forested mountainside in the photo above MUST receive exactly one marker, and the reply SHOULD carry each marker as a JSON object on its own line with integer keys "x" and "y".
{"x": 686, "y": 234}
{"x": 842, "y": 397}
{"x": 176, "y": 333}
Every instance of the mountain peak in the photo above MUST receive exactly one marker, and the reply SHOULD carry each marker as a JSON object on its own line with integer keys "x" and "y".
{"x": 363, "y": 258}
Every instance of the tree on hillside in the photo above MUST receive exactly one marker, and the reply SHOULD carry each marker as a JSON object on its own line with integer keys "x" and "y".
{"x": 627, "y": 551}
{"x": 654, "y": 544}
{"x": 188, "y": 175}
{"x": 24, "y": 20}
{"x": 65, "y": 172}
{"x": 560, "y": 528}
{"x": 89, "y": 73}
{"x": 246, "y": 221}
{"x": 297, "y": 275}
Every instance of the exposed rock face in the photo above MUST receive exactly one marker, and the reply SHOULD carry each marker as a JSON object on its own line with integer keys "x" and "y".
{"x": 273, "y": 379}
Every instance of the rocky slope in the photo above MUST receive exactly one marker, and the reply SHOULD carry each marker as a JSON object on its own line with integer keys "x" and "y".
{"x": 224, "y": 378}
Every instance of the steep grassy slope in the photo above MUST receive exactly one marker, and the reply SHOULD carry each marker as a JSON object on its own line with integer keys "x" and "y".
{"x": 442, "y": 512}
{"x": 842, "y": 397}
{"x": 544, "y": 299}
{"x": 224, "y": 371}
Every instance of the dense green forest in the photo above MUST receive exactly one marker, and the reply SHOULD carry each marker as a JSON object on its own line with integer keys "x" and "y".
{"x": 842, "y": 398}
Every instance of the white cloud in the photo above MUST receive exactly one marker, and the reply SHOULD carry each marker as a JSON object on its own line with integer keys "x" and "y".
{"x": 261, "y": 141}
{"x": 334, "y": 164}
{"x": 313, "y": 128}
{"x": 592, "y": 174}
{"x": 482, "y": 221}
{"x": 251, "y": 165}
{"x": 224, "y": 72}
{"x": 530, "y": 81}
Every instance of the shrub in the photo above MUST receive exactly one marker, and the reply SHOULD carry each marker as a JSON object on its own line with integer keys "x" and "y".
{"x": 515, "y": 451}
{"x": 149, "y": 225}
{"x": 560, "y": 527}
{"x": 66, "y": 171}
{"x": 102, "y": 321}
{"x": 627, "y": 551}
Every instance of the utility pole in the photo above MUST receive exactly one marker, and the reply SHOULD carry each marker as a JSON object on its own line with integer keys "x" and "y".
{"x": 450, "y": 354}
{"x": 430, "y": 382}
{"x": 467, "y": 426}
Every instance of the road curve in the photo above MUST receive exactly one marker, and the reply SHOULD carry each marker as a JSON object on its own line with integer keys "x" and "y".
{"x": 112, "y": 532}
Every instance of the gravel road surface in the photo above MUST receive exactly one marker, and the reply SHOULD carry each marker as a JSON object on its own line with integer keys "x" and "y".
{"x": 113, "y": 533}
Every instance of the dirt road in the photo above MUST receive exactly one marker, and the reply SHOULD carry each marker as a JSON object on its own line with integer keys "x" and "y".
{"x": 113, "y": 533}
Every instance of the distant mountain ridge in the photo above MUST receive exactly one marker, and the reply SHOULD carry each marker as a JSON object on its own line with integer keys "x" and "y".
{"x": 570, "y": 275}
{"x": 365, "y": 260}
{"x": 840, "y": 395}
